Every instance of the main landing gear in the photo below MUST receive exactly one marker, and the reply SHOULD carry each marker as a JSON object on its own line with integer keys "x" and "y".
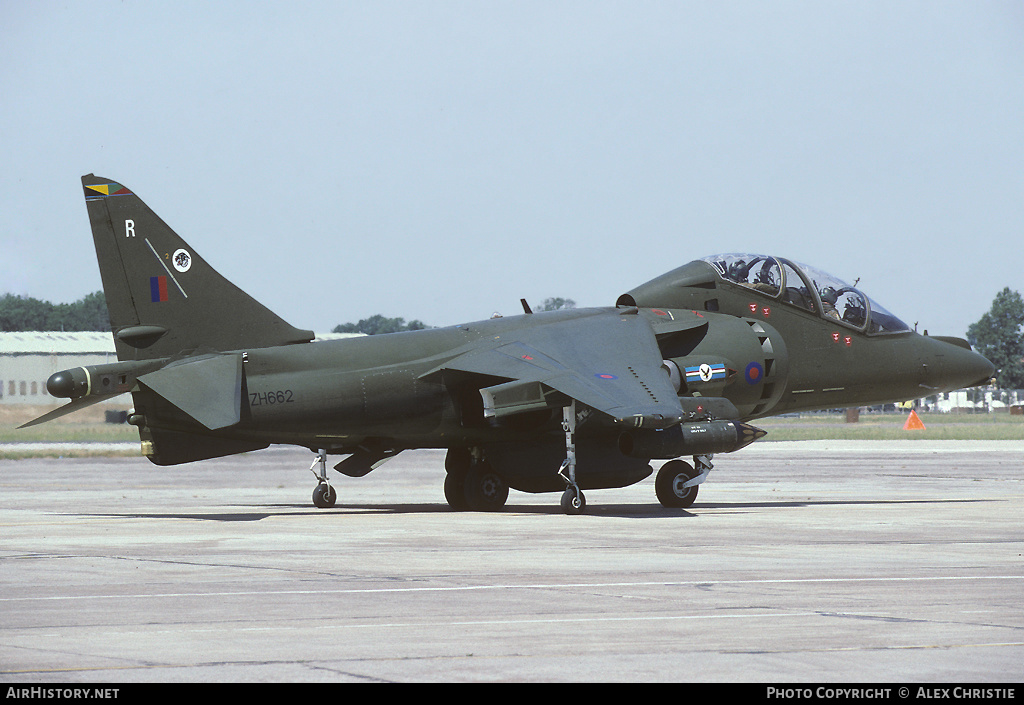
{"x": 471, "y": 482}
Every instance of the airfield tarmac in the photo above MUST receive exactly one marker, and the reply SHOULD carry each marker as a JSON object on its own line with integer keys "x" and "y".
{"x": 823, "y": 561}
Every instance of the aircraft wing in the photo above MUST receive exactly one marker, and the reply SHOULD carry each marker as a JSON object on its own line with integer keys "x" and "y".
{"x": 609, "y": 361}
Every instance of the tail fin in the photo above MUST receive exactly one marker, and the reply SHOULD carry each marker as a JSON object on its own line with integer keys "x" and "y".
{"x": 163, "y": 299}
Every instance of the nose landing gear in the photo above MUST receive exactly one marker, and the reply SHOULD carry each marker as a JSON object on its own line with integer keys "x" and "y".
{"x": 677, "y": 482}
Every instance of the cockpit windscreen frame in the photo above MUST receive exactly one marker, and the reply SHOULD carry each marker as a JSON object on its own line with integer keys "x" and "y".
{"x": 807, "y": 288}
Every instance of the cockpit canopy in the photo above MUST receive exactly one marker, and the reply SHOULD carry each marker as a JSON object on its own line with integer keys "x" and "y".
{"x": 807, "y": 288}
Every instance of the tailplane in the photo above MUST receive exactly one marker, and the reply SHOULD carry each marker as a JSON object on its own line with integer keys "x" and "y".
{"x": 163, "y": 299}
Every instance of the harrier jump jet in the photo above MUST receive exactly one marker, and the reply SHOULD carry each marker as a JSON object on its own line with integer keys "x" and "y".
{"x": 562, "y": 401}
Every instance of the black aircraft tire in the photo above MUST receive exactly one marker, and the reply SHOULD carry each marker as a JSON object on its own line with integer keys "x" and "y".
{"x": 484, "y": 489}
{"x": 573, "y": 501}
{"x": 324, "y": 496}
{"x": 666, "y": 485}
{"x": 455, "y": 490}
{"x": 457, "y": 460}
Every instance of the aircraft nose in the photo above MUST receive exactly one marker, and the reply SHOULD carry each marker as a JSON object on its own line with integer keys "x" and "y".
{"x": 981, "y": 367}
{"x": 966, "y": 368}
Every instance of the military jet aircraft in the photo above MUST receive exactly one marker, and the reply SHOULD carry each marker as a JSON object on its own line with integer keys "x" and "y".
{"x": 562, "y": 401}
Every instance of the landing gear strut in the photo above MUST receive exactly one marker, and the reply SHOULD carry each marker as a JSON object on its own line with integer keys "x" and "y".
{"x": 324, "y": 495}
{"x": 573, "y": 501}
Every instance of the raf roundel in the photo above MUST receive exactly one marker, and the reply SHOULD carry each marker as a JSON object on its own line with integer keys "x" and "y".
{"x": 754, "y": 373}
{"x": 182, "y": 260}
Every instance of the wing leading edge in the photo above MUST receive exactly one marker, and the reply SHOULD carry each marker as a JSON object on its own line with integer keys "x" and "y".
{"x": 609, "y": 361}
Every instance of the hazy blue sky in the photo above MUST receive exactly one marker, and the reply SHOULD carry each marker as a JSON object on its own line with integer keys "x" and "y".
{"x": 439, "y": 160}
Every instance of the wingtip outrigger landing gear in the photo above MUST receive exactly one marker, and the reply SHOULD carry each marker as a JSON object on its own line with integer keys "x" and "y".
{"x": 324, "y": 496}
{"x": 573, "y": 501}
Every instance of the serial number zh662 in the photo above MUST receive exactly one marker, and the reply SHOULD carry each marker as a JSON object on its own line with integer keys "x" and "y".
{"x": 281, "y": 396}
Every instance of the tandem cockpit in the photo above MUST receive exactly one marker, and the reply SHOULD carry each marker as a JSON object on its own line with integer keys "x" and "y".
{"x": 807, "y": 288}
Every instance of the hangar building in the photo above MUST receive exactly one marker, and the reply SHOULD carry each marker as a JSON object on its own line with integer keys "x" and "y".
{"x": 28, "y": 358}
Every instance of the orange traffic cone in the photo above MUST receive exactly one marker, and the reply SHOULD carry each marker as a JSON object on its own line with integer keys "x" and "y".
{"x": 913, "y": 422}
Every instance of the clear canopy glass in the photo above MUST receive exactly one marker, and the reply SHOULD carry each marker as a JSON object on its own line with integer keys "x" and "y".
{"x": 808, "y": 288}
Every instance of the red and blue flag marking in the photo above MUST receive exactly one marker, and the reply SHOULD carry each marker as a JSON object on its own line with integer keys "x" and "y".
{"x": 158, "y": 289}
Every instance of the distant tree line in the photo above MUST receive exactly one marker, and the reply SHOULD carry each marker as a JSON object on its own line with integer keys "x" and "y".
{"x": 555, "y": 303}
{"x": 378, "y": 324}
{"x": 90, "y": 313}
{"x": 999, "y": 336}
{"x": 26, "y": 313}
